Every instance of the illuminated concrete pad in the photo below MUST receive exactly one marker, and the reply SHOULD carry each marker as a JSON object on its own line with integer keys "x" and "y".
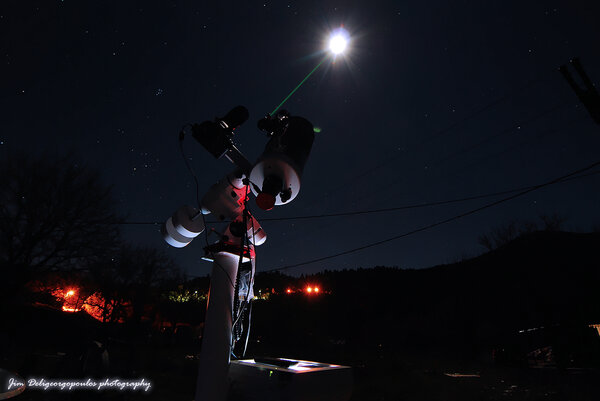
{"x": 275, "y": 379}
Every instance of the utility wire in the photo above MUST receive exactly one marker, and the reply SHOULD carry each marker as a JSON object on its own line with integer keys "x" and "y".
{"x": 421, "y": 205}
{"x": 448, "y": 220}
{"x": 393, "y": 182}
{"x": 392, "y": 209}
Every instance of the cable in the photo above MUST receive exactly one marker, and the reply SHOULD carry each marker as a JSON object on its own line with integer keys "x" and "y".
{"x": 429, "y": 226}
{"x": 238, "y": 311}
{"x": 248, "y": 300}
{"x": 416, "y": 206}
{"x": 247, "y": 330}
{"x": 391, "y": 209}
{"x": 191, "y": 170}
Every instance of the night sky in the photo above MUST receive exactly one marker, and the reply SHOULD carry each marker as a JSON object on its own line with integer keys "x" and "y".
{"x": 433, "y": 101}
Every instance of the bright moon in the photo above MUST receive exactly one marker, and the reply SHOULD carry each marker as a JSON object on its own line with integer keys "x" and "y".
{"x": 337, "y": 44}
{"x": 338, "y": 41}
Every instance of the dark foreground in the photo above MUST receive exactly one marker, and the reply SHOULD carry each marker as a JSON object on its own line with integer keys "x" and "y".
{"x": 60, "y": 348}
{"x": 512, "y": 324}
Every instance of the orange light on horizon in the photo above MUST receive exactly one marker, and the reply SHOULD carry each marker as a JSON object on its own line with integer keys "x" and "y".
{"x": 289, "y": 291}
{"x": 313, "y": 290}
{"x": 67, "y": 309}
{"x": 70, "y": 293}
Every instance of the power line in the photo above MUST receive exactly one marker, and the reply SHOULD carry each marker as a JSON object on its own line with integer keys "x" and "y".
{"x": 397, "y": 179}
{"x": 420, "y": 205}
{"x": 391, "y": 209}
{"x": 453, "y": 218}
{"x": 487, "y": 158}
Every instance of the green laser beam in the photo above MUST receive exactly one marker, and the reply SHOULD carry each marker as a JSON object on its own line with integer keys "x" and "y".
{"x": 296, "y": 88}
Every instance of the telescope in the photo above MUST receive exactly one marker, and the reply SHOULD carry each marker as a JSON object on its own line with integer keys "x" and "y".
{"x": 274, "y": 179}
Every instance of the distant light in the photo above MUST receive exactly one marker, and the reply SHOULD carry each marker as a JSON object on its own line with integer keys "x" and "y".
{"x": 470, "y": 375}
{"x": 316, "y": 289}
{"x": 339, "y": 41}
{"x": 70, "y": 292}
{"x": 309, "y": 289}
{"x": 288, "y": 291}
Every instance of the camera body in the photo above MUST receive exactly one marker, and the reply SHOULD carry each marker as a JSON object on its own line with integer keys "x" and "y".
{"x": 217, "y": 136}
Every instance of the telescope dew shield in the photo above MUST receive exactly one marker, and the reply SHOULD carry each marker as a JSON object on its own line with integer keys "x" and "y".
{"x": 181, "y": 228}
{"x": 279, "y": 169}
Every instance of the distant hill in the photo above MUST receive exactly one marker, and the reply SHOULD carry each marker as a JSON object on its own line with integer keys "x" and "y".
{"x": 539, "y": 279}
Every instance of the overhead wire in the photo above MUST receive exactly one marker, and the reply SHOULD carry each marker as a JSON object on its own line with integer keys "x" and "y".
{"x": 439, "y": 133}
{"x": 395, "y": 180}
{"x": 479, "y": 111}
{"x": 432, "y": 225}
{"x": 390, "y": 209}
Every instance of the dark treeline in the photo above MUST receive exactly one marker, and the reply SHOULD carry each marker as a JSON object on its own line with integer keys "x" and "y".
{"x": 474, "y": 308}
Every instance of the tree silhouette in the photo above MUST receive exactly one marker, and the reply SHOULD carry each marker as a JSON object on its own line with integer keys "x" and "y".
{"x": 55, "y": 215}
{"x": 502, "y": 235}
{"x": 130, "y": 281}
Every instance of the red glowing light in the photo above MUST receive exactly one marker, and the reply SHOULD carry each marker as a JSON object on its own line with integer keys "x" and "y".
{"x": 265, "y": 201}
{"x": 70, "y": 293}
{"x": 316, "y": 289}
{"x": 288, "y": 291}
{"x": 309, "y": 289}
